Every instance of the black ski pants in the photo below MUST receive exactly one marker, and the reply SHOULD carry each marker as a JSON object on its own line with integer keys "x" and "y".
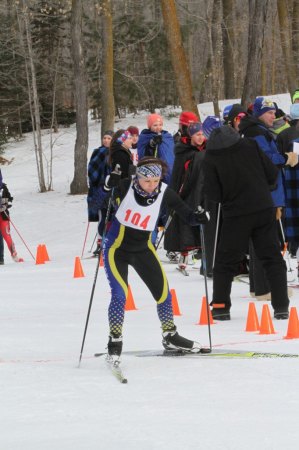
{"x": 234, "y": 237}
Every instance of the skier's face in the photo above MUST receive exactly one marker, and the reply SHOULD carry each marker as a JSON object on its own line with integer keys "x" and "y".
{"x": 157, "y": 126}
{"x": 149, "y": 184}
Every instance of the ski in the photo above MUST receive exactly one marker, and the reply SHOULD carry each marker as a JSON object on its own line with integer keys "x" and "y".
{"x": 241, "y": 279}
{"x": 114, "y": 367}
{"x": 183, "y": 271}
{"x": 214, "y": 354}
{"x": 116, "y": 370}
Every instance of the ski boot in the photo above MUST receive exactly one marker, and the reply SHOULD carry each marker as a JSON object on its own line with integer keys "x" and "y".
{"x": 98, "y": 249}
{"x": 172, "y": 256}
{"x": 173, "y": 341}
{"x": 16, "y": 258}
{"x": 115, "y": 345}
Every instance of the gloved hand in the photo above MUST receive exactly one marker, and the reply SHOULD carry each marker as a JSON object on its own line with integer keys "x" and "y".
{"x": 202, "y": 215}
{"x": 292, "y": 159}
{"x": 156, "y": 140}
{"x": 113, "y": 179}
{"x": 278, "y": 213}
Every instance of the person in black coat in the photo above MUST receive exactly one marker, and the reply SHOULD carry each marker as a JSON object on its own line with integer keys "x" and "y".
{"x": 187, "y": 181}
{"x": 239, "y": 175}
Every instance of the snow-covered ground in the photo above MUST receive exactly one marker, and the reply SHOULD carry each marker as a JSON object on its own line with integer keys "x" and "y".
{"x": 48, "y": 403}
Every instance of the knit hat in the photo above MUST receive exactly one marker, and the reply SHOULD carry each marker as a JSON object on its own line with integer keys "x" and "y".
{"x": 149, "y": 171}
{"x": 108, "y": 133}
{"x": 194, "y": 128}
{"x": 236, "y": 109}
{"x": 210, "y": 123}
{"x": 133, "y": 130}
{"x": 226, "y": 112}
{"x": 123, "y": 137}
{"x": 262, "y": 105}
{"x": 187, "y": 117}
{"x": 295, "y": 95}
{"x": 152, "y": 118}
{"x": 294, "y": 111}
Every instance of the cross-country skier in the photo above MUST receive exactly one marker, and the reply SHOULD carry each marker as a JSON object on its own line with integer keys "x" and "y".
{"x": 128, "y": 243}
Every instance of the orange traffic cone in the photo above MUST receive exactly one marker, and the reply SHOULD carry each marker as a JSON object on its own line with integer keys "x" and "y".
{"x": 39, "y": 259}
{"x": 101, "y": 260}
{"x": 266, "y": 321}
{"x": 175, "y": 304}
{"x": 252, "y": 323}
{"x": 203, "y": 318}
{"x": 78, "y": 271}
{"x": 45, "y": 253}
{"x": 293, "y": 325}
{"x": 130, "y": 304}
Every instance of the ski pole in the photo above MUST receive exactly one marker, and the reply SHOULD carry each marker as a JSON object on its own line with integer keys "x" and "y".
{"x": 89, "y": 251}
{"x": 96, "y": 275}
{"x": 216, "y": 233}
{"x": 169, "y": 219}
{"x": 9, "y": 219}
{"x": 204, "y": 266}
{"x": 285, "y": 246}
{"x": 87, "y": 228}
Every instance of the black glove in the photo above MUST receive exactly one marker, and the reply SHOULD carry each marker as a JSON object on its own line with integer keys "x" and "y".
{"x": 156, "y": 140}
{"x": 202, "y": 216}
{"x": 113, "y": 179}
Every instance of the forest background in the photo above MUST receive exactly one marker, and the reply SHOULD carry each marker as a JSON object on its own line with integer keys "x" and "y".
{"x": 62, "y": 59}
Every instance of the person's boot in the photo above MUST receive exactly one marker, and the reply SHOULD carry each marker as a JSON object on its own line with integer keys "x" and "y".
{"x": 99, "y": 246}
{"x": 220, "y": 311}
{"x": 115, "y": 345}
{"x": 173, "y": 341}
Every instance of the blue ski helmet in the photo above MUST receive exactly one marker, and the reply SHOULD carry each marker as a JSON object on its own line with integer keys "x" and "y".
{"x": 226, "y": 112}
{"x": 210, "y": 123}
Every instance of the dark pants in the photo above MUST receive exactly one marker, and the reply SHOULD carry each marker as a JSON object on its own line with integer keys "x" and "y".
{"x": 234, "y": 236}
{"x": 257, "y": 276}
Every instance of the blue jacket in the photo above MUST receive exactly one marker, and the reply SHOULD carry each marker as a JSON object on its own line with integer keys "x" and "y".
{"x": 165, "y": 149}
{"x": 254, "y": 128}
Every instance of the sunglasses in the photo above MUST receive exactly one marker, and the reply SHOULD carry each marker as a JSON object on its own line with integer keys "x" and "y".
{"x": 267, "y": 104}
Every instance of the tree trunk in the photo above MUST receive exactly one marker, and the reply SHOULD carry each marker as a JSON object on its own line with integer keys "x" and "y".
{"x": 295, "y": 40}
{"x": 79, "y": 183}
{"x": 285, "y": 39}
{"x": 108, "y": 107}
{"x": 257, "y": 22}
{"x": 36, "y": 112}
{"x": 228, "y": 48}
{"x": 178, "y": 56}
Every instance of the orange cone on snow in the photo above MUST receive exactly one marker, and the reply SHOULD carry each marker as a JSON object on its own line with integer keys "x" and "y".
{"x": 45, "y": 252}
{"x": 293, "y": 325}
{"x": 101, "y": 260}
{"x": 39, "y": 259}
{"x": 78, "y": 271}
{"x": 266, "y": 321}
{"x": 203, "y": 318}
{"x": 175, "y": 304}
{"x": 252, "y": 323}
{"x": 130, "y": 304}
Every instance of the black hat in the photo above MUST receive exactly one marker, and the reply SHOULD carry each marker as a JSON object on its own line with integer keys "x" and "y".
{"x": 235, "y": 111}
{"x": 108, "y": 133}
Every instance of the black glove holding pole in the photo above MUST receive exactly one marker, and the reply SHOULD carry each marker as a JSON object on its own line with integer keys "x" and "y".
{"x": 113, "y": 179}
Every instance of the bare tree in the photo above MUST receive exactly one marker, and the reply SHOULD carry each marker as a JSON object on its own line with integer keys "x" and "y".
{"x": 178, "y": 56}
{"x": 108, "y": 107}
{"x": 228, "y": 48}
{"x": 295, "y": 38}
{"x": 257, "y": 21}
{"x": 33, "y": 97}
{"x": 79, "y": 183}
{"x": 286, "y": 43}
